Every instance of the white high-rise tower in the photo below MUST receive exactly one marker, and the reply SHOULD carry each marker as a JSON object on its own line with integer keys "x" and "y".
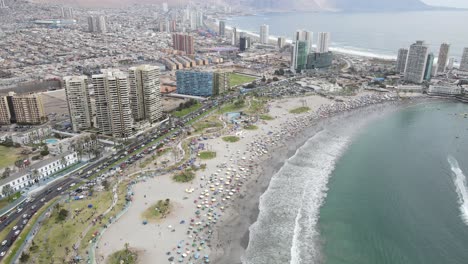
{"x": 442, "y": 59}
{"x": 264, "y": 34}
{"x": 323, "y": 42}
{"x": 145, "y": 93}
{"x": 113, "y": 113}
{"x": 464, "y": 60}
{"x": 304, "y": 35}
{"x": 79, "y": 102}
{"x": 416, "y": 62}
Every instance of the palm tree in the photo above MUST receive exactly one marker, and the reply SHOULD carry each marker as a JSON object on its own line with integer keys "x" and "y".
{"x": 63, "y": 161}
{"x": 7, "y": 190}
{"x": 35, "y": 175}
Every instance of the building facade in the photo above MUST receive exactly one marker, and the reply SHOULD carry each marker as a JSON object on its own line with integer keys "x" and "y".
{"x": 316, "y": 60}
{"x": 299, "y": 56}
{"x": 183, "y": 42}
{"x": 222, "y": 28}
{"x": 79, "y": 102}
{"x": 443, "y": 58}
{"x": 97, "y": 24}
{"x": 145, "y": 93}
{"x": 113, "y": 112}
{"x": 195, "y": 83}
{"x": 444, "y": 90}
{"x": 281, "y": 42}
{"x": 304, "y": 35}
{"x": 464, "y": 60}
{"x": 323, "y": 42}
{"x": 264, "y": 34}
{"x": 36, "y": 172}
{"x": 416, "y": 62}
{"x": 244, "y": 43}
{"x": 26, "y": 109}
{"x": 401, "y": 60}
{"x": 429, "y": 64}
{"x": 221, "y": 82}
{"x": 5, "y": 116}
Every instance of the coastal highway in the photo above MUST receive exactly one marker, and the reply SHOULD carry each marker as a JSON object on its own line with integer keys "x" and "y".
{"x": 26, "y": 210}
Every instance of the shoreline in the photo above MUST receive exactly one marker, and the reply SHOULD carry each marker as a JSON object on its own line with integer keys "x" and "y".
{"x": 232, "y": 236}
{"x": 272, "y": 140}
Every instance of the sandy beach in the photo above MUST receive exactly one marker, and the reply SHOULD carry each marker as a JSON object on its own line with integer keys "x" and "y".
{"x": 211, "y": 215}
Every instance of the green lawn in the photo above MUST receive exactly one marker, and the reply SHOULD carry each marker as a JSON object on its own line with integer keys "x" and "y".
{"x": 299, "y": 110}
{"x": 184, "y": 176}
{"x": 207, "y": 123}
{"x": 5, "y": 201}
{"x": 157, "y": 210}
{"x": 232, "y": 107}
{"x": 128, "y": 256}
{"x": 266, "y": 117}
{"x": 187, "y": 111}
{"x": 207, "y": 155}
{"x": 251, "y": 127}
{"x": 8, "y": 156}
{"x": 231, "y": 139}
{"x": 236, "y": 79}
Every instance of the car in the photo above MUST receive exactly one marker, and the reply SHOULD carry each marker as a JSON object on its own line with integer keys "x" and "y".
{"x": 33, "y": 207}
{"x": 15, "y": 227}
{"x": 25, "y": 221}
{"x": 19, "y": 209}
{"x": 25, "y": 215}
{"x": 17, "y": 232}
{"x": 43, "y": 200}
{"x": 4, "y": 242}
{"x": 2, "y": 254}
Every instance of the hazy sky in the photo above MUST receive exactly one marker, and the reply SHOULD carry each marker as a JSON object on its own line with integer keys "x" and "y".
{"x": 452, "y": 3}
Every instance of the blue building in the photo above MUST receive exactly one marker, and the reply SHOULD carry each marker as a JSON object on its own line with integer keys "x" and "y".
{"x": 202, "y": 83}
{"x": 194, "y": 83}
{"x": 316, "y": 60}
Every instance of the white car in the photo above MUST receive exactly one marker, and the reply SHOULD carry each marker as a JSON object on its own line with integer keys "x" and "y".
{"x": 4, "y": 242}
{"x": 43, "y": 200}
{"x": 17, "y": 232}
{"x": 59, "y": 188}
{"x": 73, "y": 184}
{"x": 2, "y": 254}
{"x": 15, "y": 227}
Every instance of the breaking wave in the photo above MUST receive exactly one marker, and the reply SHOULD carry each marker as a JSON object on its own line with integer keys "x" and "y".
{"x": 459, "y": 179}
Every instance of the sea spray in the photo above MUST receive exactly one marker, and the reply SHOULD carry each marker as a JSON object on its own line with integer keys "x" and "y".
{"x": 459, "y": 179}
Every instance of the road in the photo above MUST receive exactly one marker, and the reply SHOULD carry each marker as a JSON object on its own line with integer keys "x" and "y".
{"x": 25, "y": 211}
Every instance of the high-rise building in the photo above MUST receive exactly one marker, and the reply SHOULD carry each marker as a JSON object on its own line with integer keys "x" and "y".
{"x": 145, "y": 93}
{"x": 443, "y": 58}
{"x": 464, "y": 60}
{"x": 401, "y": 60}
{"x": 244, "y": 43}
{"x": 199, "y": 19}
{"x": 429, "y": 65}
{"x": 450, "y": 64}
{"x": 79, "y": 102}
{"x": 221, "y": 83}
{"x": 323, "y": 42}
{"x": 26, "y": 109}
{"x": 183, "y": 42}
{"x": 202, "y": 83}
{"x": 165, "y": 7}
{"x": 281, "y": 42}
{"x": 67, "y": 12}
{"x": 299, "y": 56}
{"x": 304, "y": 35}
{"x": 222, "y": 28}
{"x": 234, "y": 36}
{"x": 264, "y": 34}
{"x": 5, "y": 116}
{"x": 113, "y": 113}
{"x": 416, "y": 62}
{"x": 319, "y": 60}
{"x": 97, "y": 24}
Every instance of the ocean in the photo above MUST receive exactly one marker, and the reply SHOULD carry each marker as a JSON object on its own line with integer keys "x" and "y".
{"x": 382, "y": 185}
{"x": 369, "y": 34}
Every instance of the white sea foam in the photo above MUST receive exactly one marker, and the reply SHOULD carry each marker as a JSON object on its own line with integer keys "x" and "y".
{"x": 286, "y": 227}
{"x": 459, "y": 179}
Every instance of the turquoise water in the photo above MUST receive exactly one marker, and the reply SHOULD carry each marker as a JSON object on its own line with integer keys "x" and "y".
{"x": 51, "y": 141}
{"x": 398, "y": 194}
